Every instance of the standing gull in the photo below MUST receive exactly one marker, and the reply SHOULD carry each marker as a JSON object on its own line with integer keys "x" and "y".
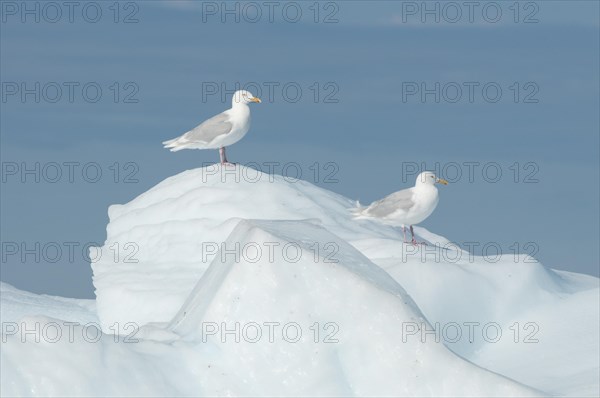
{"x": 407, "y": 207}
{"x": 219, "y": 131}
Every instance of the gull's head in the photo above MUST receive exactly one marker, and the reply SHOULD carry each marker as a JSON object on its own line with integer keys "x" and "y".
{"x": 429, "y": 178}
{"x": 244, "y": 97}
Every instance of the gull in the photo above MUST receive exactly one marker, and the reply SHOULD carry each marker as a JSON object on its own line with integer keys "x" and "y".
{"x": 219, "y": 131}
{"x": 406, "y": 207}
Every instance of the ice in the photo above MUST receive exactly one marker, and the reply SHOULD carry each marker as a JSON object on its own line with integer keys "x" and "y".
{"x": 166, "y": 236}
{"x": 17, "y": 303}
{"x": 208, "y": 277}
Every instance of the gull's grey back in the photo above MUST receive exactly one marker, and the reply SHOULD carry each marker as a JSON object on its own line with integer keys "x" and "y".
{"x": 210, "y": 128}
{"x": 401, "y": 200}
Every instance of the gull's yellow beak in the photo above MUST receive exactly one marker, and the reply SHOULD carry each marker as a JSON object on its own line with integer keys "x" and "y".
{"x": 255, "y": 99}
{"x": 442, "y": 181}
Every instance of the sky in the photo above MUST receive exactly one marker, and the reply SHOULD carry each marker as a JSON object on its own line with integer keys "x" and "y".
{"x": 500, "y": 98}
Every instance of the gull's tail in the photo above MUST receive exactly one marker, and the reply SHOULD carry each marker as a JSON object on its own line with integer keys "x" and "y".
{"x": 174, "y": 145}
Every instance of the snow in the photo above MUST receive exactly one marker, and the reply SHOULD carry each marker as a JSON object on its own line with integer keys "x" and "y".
{"x": 237, "y": 283}
{"x": 17, "y": 304}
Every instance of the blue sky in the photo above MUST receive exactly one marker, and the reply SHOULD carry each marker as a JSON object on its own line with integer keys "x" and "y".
{"x": 370, "y": 127}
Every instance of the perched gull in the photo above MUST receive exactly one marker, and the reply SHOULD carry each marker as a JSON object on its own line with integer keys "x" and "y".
{"x": 221, "y": 130}
{"x": 407, "y": 207}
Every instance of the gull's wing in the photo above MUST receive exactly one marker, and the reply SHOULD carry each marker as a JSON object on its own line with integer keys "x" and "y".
{"x": 401, "y": 200}
{"x": 210, "y": 129}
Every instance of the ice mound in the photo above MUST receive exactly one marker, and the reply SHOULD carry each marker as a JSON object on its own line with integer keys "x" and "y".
{"x": 159, "y": 244}
{"x": 239, "y": 283}
{"x": 17, "y": 304}
{"x": 337, "y": 324}
{"x": 547, "y": 321}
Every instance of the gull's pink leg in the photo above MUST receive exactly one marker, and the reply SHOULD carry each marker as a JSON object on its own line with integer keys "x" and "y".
{"x": 414, "y": 241}
{"x": 404, "y": 231}
{"x": 223, "y": 156}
